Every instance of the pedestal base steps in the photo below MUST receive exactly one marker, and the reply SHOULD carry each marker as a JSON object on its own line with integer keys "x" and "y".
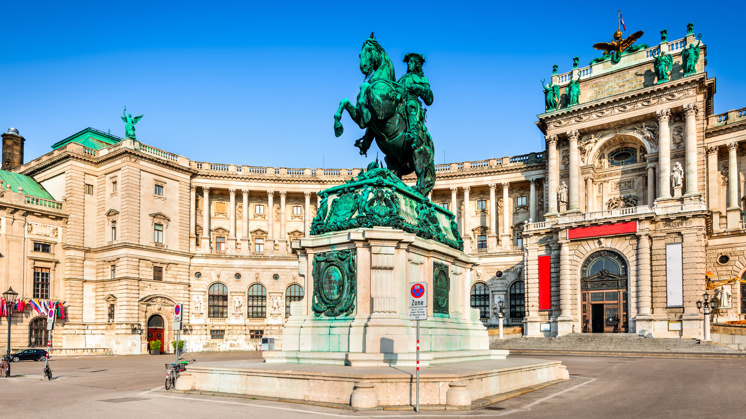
{"x": 453, "y": 385}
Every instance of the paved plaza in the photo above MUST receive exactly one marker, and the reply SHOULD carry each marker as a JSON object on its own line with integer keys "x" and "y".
{"x": 599, "y": 387}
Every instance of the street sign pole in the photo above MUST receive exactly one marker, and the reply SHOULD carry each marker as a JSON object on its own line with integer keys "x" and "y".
{"x": 417, "y": 407}
{"x": 178, "y": 319}
{"x": 417, "y": 312}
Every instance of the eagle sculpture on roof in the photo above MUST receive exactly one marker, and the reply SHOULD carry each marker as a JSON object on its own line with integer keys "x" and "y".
{"x": 616, "y": 47}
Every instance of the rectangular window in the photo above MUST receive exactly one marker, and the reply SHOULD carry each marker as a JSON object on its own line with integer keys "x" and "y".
{"x": 259, "y": 245}
{"x": 220, "y": 244}
{"x": 520, "y": 201}
{"x": 111, "y": 313}
{"x": 158, "y": 233}
{"x": 482, "y": 205}
{"x": 482, "y": 242}
{"x": 42, "y": 247}
{"x": 217, "y": 334}
{"x": 41, "y": 283}
{"x": 256, "y": 333}
{"x": 113, "y": 231}
{"x": 158, "y": 190}
{"x": 113, "y": 271}
{"x": 519, "y": 241}
{"x": 297, "y": 210}
{"x": 88, "y": 189}
{"x": 157, "y": 273}
{"x": 259, "y": 209}
{"x": 444, "y": 205}
{"x": 114, "y": 186}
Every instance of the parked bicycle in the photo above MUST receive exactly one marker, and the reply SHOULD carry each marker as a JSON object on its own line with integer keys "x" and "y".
{"x": 173, "y": 369}
{"x": 5, "y": 367}
{"x": 47, "y": 370}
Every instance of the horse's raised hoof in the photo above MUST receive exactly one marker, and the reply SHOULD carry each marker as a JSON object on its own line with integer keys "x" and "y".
{"x": 338, "y": 129}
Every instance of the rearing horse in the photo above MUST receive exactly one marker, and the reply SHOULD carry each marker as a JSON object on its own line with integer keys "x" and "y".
{"x": 380, "y": 111}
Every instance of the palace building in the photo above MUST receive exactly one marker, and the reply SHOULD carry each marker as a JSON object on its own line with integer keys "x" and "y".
{"x": 610, "y": 229}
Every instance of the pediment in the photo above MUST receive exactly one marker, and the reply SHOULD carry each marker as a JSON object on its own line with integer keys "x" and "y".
{"x": 111, "y": 212}
{"x": 159, "y": 216}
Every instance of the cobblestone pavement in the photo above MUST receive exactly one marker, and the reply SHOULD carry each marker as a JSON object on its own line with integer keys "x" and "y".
{"x": 599, "y": 387}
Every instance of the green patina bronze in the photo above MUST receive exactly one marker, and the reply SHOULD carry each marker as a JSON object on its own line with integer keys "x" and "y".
{"x": 573, "y": 92}
{"x": 690, "y": 28}
{"x": 551, "y": 95}
{"x": 662, "y": 64}
{"x": 664, "y": 35}
{"x": 334, "y": 283}
{"x": 575, "y": 62}
{"x": 391, "y": 112}
{"x": 690, "y": 56}
{"x": 130, "y": 121}
{"x": 618, "y": 47}
{"x": 441, "y": 288}
{"x": 378, "y": 198}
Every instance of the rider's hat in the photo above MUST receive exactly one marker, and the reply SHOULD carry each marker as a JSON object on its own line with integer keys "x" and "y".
{"x": 414, "y": 55}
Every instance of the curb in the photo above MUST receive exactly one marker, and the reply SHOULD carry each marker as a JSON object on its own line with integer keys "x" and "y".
{"x": 630, "y": 354}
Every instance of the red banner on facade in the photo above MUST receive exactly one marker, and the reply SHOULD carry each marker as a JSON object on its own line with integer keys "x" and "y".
{"x": 604, "y": 230}
{"x": 545, "y": 282}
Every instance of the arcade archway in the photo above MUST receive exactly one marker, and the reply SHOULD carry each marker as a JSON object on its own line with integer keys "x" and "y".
{"x": 603, "y": 279}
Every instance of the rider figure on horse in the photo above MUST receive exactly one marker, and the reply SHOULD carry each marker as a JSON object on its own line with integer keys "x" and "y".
{"x": 414, "y": 86}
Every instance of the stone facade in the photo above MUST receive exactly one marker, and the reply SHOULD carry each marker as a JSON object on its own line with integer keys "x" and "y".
{"x": 146, "y": 228}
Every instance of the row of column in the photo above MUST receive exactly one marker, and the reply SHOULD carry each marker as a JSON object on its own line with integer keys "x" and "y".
{"x": 245, "y": 233}
{"x": 664, "y": 161}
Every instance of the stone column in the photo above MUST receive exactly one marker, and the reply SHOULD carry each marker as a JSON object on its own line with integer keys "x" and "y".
{"x": 307, "y": 214}
{"x": 269, "y": 246}
{"x": 283, "y": 225}
{"x": 492, "y": 238}
{"x": 205, "y": 219}
{"x": 664, "y": 154}
{"x": 532, "y": 201}
{"x": 590, "y": 197}
{"x": 467, "y": 224}
{"x": 651, "y": 185}
{"x": 192, "y": 216}
{"x": 454, "y": 205}
{"x": 692, "y": 182}
{"x": 245, "y": 243}
{"x": 644, "y": 318}
{"x": 506, "y": 241}
{"x": 734, "y": 208}
{"x": 552, "y": 173}
{"x": 564, "y": 321}
{"x": 574, "y": 186}
{"x": 232, "y": 222}
{"x": 713, "y": 195}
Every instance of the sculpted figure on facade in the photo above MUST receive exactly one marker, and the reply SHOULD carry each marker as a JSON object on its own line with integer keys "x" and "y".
{"x": 237, "y": 304}
{"x": 677, "y": 175}
{"x": 690, "y": 56}
{"x": 551, "y": 95}
{"x": 197, "y": 304}
{"x": 130, "y": 121}
{"x": 573, "y": 92}
{"x": 723, "y": 295}
{"x": 663, "y": 64}
{"x": 562, "y": 193}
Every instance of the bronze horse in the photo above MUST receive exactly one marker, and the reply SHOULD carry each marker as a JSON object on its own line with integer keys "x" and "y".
{"x": 380, "y": 111}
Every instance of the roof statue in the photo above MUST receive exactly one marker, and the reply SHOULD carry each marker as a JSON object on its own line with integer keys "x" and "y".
{"x": 617, "y": 46}
{"x": 129, "y": 128}
{"x": 392, "y": 113}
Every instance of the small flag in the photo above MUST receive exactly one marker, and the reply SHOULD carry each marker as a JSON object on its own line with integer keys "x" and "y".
{"x": 621, "y": 20}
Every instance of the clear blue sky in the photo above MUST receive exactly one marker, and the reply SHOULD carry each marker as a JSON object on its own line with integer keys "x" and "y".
{"x": 257, "y": 84}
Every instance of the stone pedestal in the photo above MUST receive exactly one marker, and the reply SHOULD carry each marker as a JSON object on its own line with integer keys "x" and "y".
{"x": 564, "y": 325}
{"x": 677, "y": 191}
{"x": 733, "y": 218}
{"x": 644, "y": 325}
{"x": 356, "y": 311}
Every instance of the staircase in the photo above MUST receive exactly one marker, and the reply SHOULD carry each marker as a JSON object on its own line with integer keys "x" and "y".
{"x": 617, "y": 342}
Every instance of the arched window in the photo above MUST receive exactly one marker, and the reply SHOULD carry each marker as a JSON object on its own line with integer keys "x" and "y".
{"x": 37, "y": 332}
{"x": 217, "y": 301}
{"x": 257, "y": 302}
{"x": 293, "y": 293}
{"x": 516, "y": 296}
{"x": 155, "y": 322}
{"x": 480, "y": 298}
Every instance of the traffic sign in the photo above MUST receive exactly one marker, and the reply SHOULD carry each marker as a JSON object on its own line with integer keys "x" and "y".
{"x": 178, "y": 316}
{"x": 51, "y": 315}
{"x": 417, "y": 301}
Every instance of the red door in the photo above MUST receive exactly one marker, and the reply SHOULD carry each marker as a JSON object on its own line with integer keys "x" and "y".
{"x": 155, "y": 334}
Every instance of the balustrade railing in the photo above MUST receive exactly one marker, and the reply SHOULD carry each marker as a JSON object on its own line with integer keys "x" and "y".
{"x": 42, "y": 202}
{"x": 156, "y": 152}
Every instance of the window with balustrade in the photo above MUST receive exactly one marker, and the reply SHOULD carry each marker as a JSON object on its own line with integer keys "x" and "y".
{"x": 256, "y": 303}
{"x": 217, "y": 301}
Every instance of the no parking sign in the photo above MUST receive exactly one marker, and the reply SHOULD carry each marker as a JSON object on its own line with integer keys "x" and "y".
{"x": 417, "y": 301}
{"x": 51, "y": 315}
{"x": 178, "y": 316}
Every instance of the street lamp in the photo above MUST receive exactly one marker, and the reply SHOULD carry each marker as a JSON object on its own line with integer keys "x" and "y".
{"x": 705, "y": 307}
{"x": 499, "y": 312}
{"x": 10, "y": 298}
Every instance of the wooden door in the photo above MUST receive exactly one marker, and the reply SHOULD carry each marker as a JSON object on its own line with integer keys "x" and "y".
{"x": 156, "y": 334}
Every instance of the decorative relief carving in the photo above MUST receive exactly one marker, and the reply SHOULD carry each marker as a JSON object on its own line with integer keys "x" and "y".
{"x": 45, "y": 230}
{"x": 622, "y": 202}
{"x": 677, "y": 137}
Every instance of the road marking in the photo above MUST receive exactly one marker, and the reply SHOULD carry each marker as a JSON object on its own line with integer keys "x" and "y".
{"x": 152, "y": 389}
{"x": 543, "y": 399}
{"x": 345, "y": 415}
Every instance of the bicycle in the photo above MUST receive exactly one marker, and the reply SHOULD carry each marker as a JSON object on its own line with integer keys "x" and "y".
{"x": 5, "y": 367}
{"x": 173, "y": 369}
{"x": 48, "y": 373}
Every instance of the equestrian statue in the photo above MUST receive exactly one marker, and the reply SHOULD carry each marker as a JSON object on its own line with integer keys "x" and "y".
{"x": 392, "y": 113}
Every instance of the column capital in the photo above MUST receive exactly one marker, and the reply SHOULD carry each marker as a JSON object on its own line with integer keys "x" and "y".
{"x": 551, "y": 139}
{"x": 193, "y": 188}
{"x": 282, "y": 194}
{"x": 690, "y": 109}
{"x": 573, "y": 135}
{"x": 712, "y": 149}
{"x": 506, "y": 185}
{"x": 270, "y": 193}
{"x": 733, "y": 146}
{"x": 307, "y": 194}
{"x": 206, "y": 189}
{"x": 245, "y": 192}
{"x": 232, "y": 191}
{"x": 650, "y": 166}
{"x": 466, "y": 188}
{"x": 663, "y": 115}
{"x": 492, "y": 186}
{"x": 454, "y": 189}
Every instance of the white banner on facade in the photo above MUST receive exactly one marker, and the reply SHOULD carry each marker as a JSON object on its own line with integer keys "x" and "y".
{"x": 674, "y": 277}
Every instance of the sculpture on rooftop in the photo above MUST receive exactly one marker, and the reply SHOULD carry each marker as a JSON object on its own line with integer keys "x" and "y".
{"x": 573, "y": 92}
{"x": 690, "y": 56}
{"x": 130, "y": 121}
{"x": 663, "y": 63}
{"x": 551, "y": 95}
{"x": 391, "y": 112}
{"x": 618, "y": 46}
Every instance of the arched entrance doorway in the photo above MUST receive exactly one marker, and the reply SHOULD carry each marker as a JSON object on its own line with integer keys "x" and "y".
{"x": 603, "y": 279}
{"x": 155, "y": 331}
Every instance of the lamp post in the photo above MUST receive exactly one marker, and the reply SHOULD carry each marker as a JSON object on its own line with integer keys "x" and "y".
{"x": 500, "y": 312}
{"x": 705, "y": 307}
{"x": 10, "y": 298}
